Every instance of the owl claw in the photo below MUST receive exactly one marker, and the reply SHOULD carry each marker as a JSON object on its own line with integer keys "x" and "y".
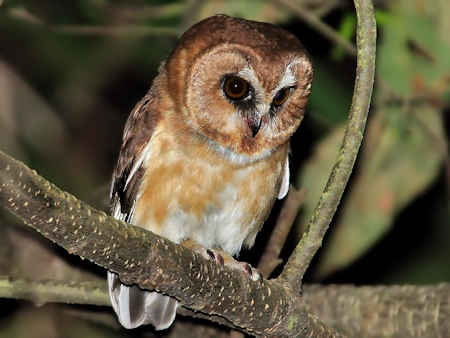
{"x": 215, "y": 256}
{"x": 251, "y": 272}
{"x": 227, "y": 260}
{"x": 221, "y": 258}
{"x": 210, "y": 254}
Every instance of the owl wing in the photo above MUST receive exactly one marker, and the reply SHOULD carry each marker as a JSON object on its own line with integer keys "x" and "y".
{"x": 134, "y": 306}
{"x": 129, "y": 170}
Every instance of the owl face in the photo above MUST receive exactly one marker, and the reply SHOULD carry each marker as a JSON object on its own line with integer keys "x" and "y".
{"x": 241, "y": 85}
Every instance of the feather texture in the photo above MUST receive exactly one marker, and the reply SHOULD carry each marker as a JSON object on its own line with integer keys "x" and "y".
{"x": 192, "y": 165}
{"x": 135, "y": 307}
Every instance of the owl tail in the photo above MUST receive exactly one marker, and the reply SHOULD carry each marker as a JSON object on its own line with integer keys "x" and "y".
{"x": 136, "y": 307}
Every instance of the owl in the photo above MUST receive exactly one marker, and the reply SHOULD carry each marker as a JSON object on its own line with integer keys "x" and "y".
{"x": 205, "y": 152}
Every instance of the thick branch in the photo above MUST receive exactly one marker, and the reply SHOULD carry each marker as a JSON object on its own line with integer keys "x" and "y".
{"x": 140, "y": 257}
{"x": 383, "y": 311}
{"x": 329, "y": 200}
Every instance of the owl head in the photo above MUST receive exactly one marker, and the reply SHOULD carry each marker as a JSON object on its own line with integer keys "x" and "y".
{"x": 241, "y": 85}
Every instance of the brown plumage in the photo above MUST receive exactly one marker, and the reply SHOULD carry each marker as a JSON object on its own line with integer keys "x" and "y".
{"x": 205, "y": 152}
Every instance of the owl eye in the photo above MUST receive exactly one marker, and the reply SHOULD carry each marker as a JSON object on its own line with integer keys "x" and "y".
{"x": 281, "y": 96}
{"x": 235, "y": 88}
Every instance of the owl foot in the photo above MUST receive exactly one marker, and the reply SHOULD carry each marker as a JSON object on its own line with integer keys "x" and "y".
{"x": 251, "y": 272}
{"x": 213, "y": 255}
{"x": 229, "y": 261}
{"x": 223, "y": 259}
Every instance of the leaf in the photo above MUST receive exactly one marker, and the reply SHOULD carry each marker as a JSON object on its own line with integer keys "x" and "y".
{"x": 414, "y": 57}
{"x": 405, "y": 143}
{"x": 400, "y": 159}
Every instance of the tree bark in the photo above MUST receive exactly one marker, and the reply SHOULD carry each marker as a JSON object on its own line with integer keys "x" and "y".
{"x": 227, "y": 296}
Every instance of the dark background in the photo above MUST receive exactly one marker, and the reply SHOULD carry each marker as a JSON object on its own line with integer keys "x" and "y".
{"x": 71, "y": 71}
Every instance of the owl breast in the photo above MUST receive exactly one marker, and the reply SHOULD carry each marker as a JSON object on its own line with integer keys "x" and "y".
{"x": 189, "y": 191}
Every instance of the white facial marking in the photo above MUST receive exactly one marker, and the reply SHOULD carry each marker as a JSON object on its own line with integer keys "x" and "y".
{"x": 288, "y": 79}
{"x": 248, "y": 73}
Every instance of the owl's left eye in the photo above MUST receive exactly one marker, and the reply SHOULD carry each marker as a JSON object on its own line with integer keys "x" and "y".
{"x": 281, "y": 96}
{"x": 235, "y": 88}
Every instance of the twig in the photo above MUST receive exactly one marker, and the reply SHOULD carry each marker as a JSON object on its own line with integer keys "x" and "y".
{"x": 270, "y": 259}
{"x": 126, "y": 12}
{"x": 50, "y": 291}
{"x": 329, "y": 200}
{"x": 313, "y": 19}
{"x": 115, "y": 31}
{"x": 316, "y": 23}
{"x": 326, "y": 7}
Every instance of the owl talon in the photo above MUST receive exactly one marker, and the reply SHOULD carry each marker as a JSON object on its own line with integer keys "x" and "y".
{"x": 247, "y": 268}
{"x": 252, "y": 273}
{"x": 225, "y": 259}
{"x": 215, "y": 256}
{"x": 210, "y": 254}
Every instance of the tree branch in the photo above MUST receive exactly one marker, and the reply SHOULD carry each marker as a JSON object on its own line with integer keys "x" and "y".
{"x": 331, "y": 196}
{"x": 121, "y": 30}
{"x": 378, "y": 311}
{"x": 140, "y": 257}
{"x": 50, "y": 291}
{"x": 315, "y": 22}
{"x": 383, "y": 311}
{"x": 115, "y": 31}
{"x": 271, "y": 256}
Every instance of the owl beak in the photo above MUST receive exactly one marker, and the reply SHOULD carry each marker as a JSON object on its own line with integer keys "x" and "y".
{"x": 254, "y": 123}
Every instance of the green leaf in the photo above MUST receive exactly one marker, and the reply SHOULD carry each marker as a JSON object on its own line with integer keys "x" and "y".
{"x": 413, "y": 55}
{"x": 399, "y": 160}
{"x": 405, "y": 143}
